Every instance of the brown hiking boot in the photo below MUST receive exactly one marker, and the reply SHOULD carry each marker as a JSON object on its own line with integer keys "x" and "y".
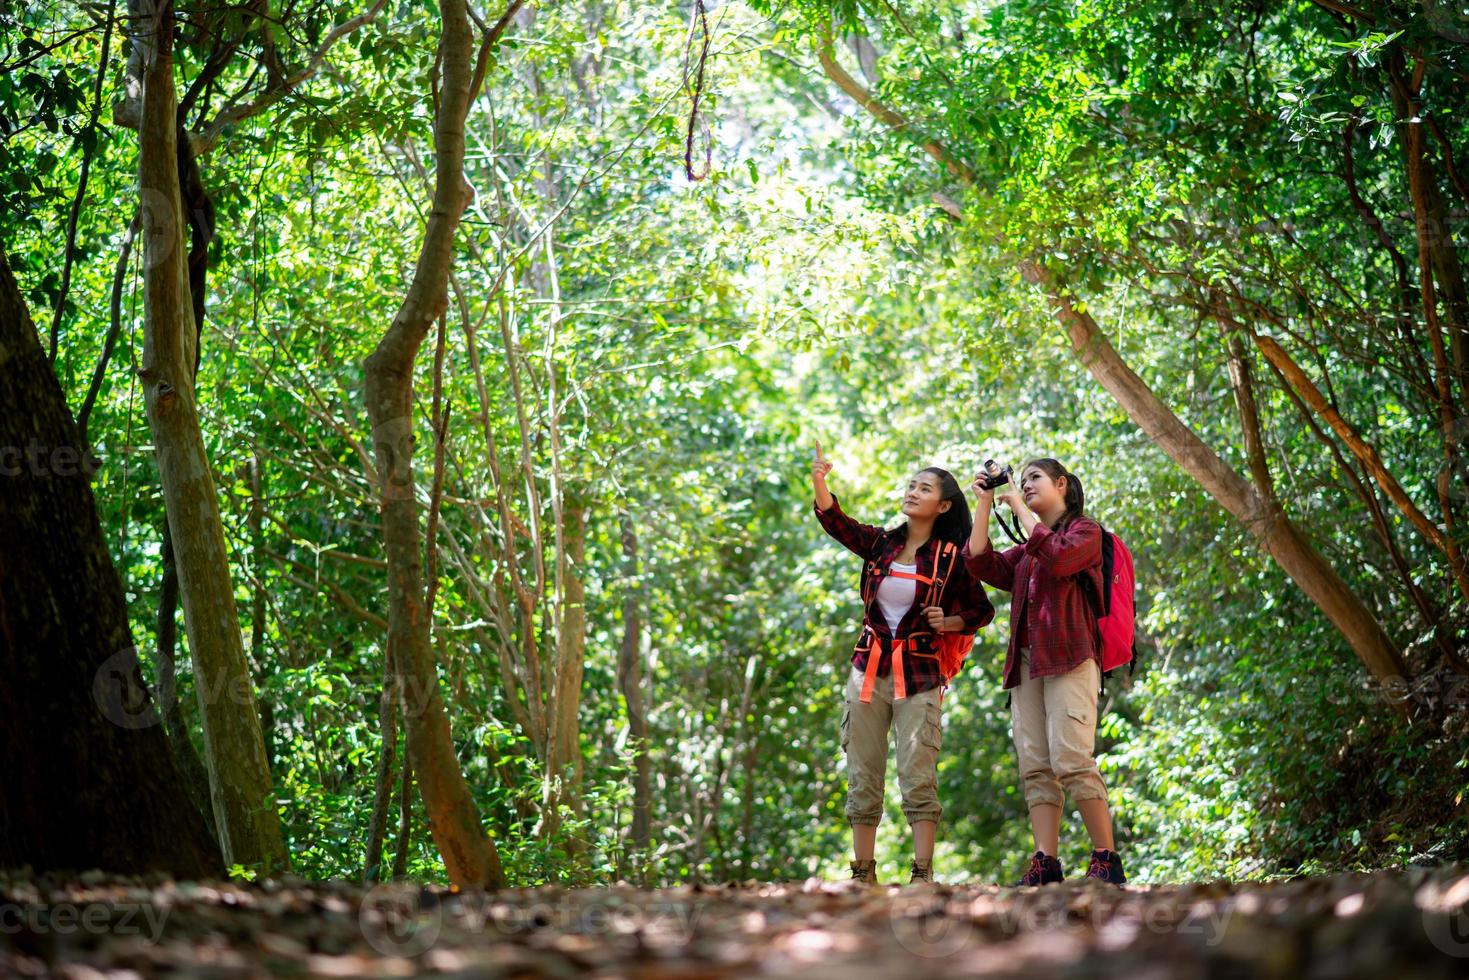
{"x": 921, "y": 871}
{"x": 865, "y": 871}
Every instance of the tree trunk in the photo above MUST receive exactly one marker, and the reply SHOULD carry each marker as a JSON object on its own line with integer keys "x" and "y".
{"x": 242, "y": 796}
{"x": 386, "y": 773}
{"x": 1368, "y": 456}
{"x": 630, "y": 682}
{"x": 174, "y": 723}
{"x": 469, "y": 854}
{"x": 405, "y": 824}
{"x": 257, "y": 596}
{"x": 1269, "y": 526}
{"x": 749, "y": 734}
{"x": 563, "y": 750}
{"x": 1440, "y": 276}
{"x": 88, "y": 780}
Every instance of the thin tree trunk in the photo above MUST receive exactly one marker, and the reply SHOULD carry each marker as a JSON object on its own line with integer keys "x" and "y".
{"x": 514, "y": 679}
{"x": 257, "y": 596}
{"x": 377, "y": 829}
{"x": 243, "y": 799}
{"x": 1365, "y": 492}
{"x": 470, "y": 856}
{"x": 1425, "y": 232}
{"x": 563, "y": 748}
{"x": 563, "y": 782}
{"x": 1242, "y": 384}
{"x": 1440, "y": 275}
{"x": 1366, "y": 454}
{"x": 747, "y": 804}
{"x": 751, "y": 755}
{"x": 630, "y": 683}
{"x": 405, "y": 824}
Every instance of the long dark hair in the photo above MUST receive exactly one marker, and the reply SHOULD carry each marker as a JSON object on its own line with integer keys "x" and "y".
{"x": 955, "y": 523}
{"x": 1075, "y": 496}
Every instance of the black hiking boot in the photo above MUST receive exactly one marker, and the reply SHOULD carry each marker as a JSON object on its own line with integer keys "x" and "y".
{"x": 1106, "y": 865}
{"x": 1044, "y": 870}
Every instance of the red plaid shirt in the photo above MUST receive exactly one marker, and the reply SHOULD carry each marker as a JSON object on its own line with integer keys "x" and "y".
{"x": 963, "y": 596}
{"x": 1049, "y": 612}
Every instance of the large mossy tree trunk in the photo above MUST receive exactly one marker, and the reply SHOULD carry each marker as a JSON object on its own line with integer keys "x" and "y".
{"x": 86, "y": 776}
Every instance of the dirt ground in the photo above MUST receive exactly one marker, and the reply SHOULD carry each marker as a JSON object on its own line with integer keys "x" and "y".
{"x": 1399, "y": 924}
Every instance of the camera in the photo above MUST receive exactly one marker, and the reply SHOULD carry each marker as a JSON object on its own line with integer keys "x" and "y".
{"x": 993, "y": 475}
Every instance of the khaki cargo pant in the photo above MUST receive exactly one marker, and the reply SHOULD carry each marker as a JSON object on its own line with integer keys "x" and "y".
{"x": 1054, "y": 724}
{"x": 915, "y": 721}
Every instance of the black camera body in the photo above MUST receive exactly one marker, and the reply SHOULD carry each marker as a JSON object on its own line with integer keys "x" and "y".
{"x": 994, "y": 475}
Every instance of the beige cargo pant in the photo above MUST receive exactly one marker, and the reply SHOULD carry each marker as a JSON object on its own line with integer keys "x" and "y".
{"x": 1054, "y": 724}
{"x": 915, "y": 721}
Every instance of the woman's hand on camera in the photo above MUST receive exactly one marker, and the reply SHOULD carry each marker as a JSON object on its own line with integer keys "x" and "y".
{"x": 1011, "y": 498}
{"x": 982, "y": 494}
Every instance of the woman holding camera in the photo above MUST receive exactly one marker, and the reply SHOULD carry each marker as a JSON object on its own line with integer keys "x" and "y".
{"x": 1053, "y": 663}
{"x": 914, "y": 586}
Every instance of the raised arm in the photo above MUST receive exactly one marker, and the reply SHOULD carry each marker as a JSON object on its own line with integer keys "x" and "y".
{"x": 982, "y": 561}
{"x": 855, "y": 536}
{"x": 992, "y": 567}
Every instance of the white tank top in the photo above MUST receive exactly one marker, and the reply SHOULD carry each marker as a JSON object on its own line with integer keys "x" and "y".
{"x": 895, "y": 595}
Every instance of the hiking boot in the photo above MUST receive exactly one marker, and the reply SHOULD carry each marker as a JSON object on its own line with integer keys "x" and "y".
{"x": 865, "y": 871}
{"x": 1044, "y": 870}
{"x": 921, "y": 871}
{"x": 1106, "y": 865}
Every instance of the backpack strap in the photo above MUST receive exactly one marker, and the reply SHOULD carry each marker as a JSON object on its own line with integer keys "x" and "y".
{"x": 940, "y": 579}
{"x": 870, "y": 569}
{"x": 953, "y": 551}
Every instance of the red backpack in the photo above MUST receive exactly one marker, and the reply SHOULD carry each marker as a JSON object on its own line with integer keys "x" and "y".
{"x": 1116, "y": 618}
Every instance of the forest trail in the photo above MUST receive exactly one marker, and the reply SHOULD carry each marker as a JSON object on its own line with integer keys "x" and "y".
{"x": 1407, "y": 924}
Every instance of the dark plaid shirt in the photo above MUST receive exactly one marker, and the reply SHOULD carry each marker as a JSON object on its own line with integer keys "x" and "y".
{"x": 1049, "y": 612}
{"x": 963, "y": 596}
